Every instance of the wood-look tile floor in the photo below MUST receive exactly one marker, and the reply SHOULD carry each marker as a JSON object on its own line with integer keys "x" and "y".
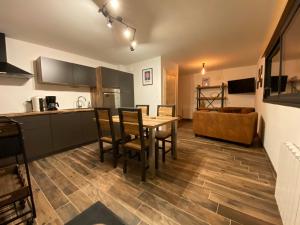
{"x": 211, "y": 182}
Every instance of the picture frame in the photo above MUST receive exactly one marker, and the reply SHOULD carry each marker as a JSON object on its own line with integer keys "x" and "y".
{"x": 147, "y": 76}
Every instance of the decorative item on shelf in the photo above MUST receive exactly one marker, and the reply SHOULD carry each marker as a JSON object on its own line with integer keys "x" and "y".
{"x": 147, "y": 76}
{"x": 129, "y": 31}
{"x": 205, "y": 82}
{"x": 259, "y": 79}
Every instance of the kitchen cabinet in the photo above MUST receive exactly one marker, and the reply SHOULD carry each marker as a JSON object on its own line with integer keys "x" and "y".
{"x": 89, "y": 126}
{"x": 66, "y": 130}
{"x": 53, "y": 71}
{"x": 50, "y": 133}
{"x": 118, "y": 79}
{"x": 37, "y": 135}
{"x": 84, "y": 76}
{"x": 110, "y": 78}
{"x": 127, "y": 90}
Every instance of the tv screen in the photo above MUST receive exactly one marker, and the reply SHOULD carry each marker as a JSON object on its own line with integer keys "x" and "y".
{"x": 274, "y": 83}
{"x": 241, "y": 86}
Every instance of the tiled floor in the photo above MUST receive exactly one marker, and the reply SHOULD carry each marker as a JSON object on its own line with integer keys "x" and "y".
{"x": 211, "y": 182}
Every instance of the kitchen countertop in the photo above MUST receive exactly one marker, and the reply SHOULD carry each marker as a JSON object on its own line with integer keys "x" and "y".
{"x": 46, "y": 112}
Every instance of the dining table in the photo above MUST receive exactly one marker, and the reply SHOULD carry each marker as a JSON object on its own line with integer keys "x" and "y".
{"x": 152, "y": 124}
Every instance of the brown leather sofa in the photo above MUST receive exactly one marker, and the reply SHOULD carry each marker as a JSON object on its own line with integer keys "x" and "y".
{"x": 232, "y": 123}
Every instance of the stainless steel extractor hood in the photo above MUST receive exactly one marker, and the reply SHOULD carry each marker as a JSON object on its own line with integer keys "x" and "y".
{"x": 7, "y": 69}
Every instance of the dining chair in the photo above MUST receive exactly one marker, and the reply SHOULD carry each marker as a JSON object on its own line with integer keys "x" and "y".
{"x": 164, "y": 133}
{"x": 144, "y": 108}
{"x": 107, "y": 133}
{"x": 131, "y": 123}
{"x": 145, "y": 111}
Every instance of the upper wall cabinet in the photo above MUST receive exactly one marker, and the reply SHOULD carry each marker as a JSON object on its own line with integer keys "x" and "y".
{"x": 84, "y": 75}
{"x": 53, "y": 71}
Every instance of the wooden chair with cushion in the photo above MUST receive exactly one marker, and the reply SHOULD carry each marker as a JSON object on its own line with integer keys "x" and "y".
{"x": 107, "y": 134}
{"x": 165, "y": 133}
{"x": 144, "y": 108}
{"x": 145, "y": 111}
{"x": 131, "y": 123}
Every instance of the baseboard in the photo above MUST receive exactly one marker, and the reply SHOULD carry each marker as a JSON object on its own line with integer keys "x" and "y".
{"x": 272, "y": 166}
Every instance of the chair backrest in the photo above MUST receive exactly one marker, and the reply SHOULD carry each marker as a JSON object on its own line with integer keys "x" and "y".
{"x": 166, "y": 110}
{"x": 131, "y": 123}
{"x": 144, "y": 108}
{"x": 104, "y": 122}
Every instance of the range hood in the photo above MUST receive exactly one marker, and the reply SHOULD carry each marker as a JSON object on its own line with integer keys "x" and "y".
{"x": 7, "y": 69}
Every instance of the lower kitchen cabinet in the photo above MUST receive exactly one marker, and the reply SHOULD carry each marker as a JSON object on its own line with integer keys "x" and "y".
{"x": 66, "y": 130}
{"x": 89, "y": 126}
{"x": 50, "y": 133}
{"x": 37, "y": 135}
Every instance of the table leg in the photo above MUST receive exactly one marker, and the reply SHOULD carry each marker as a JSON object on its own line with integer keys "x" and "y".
{"x": 151, "y": 152}
{"x": 174, "y": 139}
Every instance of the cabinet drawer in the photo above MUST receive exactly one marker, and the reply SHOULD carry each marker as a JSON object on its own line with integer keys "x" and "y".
{"x": 34, "y": 122}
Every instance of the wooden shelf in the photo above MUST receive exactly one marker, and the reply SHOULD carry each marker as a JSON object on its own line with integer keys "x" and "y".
{"x": 211, "y": 98}
{"x": 210, "y": 87}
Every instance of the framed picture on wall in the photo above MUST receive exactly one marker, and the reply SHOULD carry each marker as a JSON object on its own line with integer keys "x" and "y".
{"x": 147, "y": 76}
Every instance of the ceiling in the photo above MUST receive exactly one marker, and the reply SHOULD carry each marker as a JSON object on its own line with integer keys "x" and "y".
{"x": 222, "y": 33}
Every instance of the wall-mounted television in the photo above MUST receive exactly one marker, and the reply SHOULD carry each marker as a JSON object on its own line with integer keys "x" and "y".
{"x": 241, "y": 86}
{"x": 275, "y": 82}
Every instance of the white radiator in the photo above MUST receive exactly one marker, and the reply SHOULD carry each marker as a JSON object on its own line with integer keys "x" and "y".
{"x": 287, "y": 191}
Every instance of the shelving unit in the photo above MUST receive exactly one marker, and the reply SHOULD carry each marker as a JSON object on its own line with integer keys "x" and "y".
{"x": 16, "y": 199}
{"x": 210, "y": 100}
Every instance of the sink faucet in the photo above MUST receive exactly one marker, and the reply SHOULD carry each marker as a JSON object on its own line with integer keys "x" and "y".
{"x": 80, "y": 101}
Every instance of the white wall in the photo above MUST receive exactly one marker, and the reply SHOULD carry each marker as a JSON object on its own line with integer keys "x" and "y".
{"x": 277, "y": 124}
{"x": 150, "y": 94}
{"x": 188, "y": 83}
{"x": 15, "y": 92}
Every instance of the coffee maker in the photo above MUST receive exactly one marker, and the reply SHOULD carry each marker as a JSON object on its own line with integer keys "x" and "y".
{"x": 51, "y": 103}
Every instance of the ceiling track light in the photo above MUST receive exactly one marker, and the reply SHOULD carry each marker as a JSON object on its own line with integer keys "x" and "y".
{"x": 129, "y": 30}
{"x": 109, "y": 23}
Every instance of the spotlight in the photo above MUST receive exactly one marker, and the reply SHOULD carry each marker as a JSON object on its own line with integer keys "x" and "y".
{"x": 109, "y": 23}
{"x": 127, "y": 33}
{"x": 133, "y": 45}
{"x": 115, "y": 4}
{"x": 104, "y": 12}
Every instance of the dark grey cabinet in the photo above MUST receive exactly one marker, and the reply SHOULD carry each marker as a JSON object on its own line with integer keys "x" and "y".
{"x": 84, "y": 75}
{"x": 110, "y": 78}
{"x": 66, "y": 130}
{"x": 118, "y": 79}
{"x": 89, "y": 127}
{"x": 53, "y": 71}
{"x": 37, "y": 135}
{"x": 127, "y": 90}
{"x": 47, "y": 134}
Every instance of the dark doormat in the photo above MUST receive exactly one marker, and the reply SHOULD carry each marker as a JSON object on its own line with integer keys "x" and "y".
{"x": 96, "y": 214}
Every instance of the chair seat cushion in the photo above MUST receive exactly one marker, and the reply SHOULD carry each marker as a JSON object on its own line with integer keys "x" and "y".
{"x": 136, "y": 144}
{"x": 108, "y": 139}
{"x": 162, "y": 134}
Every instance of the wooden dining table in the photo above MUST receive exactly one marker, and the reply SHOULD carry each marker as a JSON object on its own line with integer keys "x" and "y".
{"x": 152, "y": 123}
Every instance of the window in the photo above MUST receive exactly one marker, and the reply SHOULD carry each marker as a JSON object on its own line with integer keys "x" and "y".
{"x": 291, "y": 56}
{"x": 282, "y": 75}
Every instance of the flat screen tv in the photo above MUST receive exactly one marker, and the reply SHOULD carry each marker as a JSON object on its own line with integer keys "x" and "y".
{"x": 241, "y": 86}
{"x": 274, "y": 83}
